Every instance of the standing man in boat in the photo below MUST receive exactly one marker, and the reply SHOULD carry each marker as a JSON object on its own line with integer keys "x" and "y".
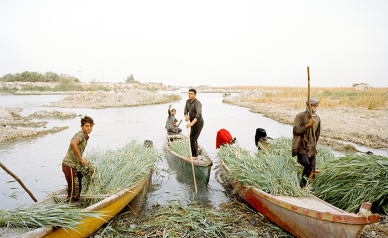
{"x": 193, "y": 113}
{"x": 74, "y": 160}
{"x": 171, "y": 121}
{"x": 304, "y": 146}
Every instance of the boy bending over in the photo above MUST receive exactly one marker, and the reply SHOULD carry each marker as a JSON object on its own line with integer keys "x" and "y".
{"x": 73, "y": 159}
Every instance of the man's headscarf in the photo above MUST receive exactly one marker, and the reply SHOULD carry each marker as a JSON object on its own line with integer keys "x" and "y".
{"x": 313, "y": 101}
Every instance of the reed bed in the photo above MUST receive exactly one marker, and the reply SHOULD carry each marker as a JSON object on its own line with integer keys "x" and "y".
{"x": 371, "y": 99}
{"x": 272, "y": 170}
{"x": 180, "y": 146}
{"x": 62, "y": 215}
{"x": 348, "y": 181}
{"x": 118, "y": 169}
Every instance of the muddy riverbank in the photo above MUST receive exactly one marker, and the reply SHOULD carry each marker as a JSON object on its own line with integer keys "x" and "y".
{"x": 357, "y": 125}
{"x": 115, "y": 98}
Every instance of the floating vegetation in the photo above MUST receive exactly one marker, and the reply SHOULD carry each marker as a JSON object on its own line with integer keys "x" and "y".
{"x": 118, "y": 169}
{"x": 272, "y": 169}
{"x": 347, "y": 182}
{"x": 62, "y": 215}
{"x": 180, "y": 146}
{"x": 232, "y": 219}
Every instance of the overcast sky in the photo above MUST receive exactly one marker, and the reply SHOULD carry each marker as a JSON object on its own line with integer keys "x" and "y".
{"x": 216, "y": 43}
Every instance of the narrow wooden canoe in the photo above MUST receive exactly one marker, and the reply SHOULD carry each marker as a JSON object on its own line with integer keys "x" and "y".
{"x": 202, "y": 164}
{"x": 110, "y": 206}
{"x": 304, "y": 217}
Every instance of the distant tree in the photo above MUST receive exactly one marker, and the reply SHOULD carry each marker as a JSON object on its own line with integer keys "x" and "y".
{"x": 131, "y": 79}
{"x": 27, "y": 76}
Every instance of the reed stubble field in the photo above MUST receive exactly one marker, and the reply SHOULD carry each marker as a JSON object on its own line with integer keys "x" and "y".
{"x": 347, "y": 114}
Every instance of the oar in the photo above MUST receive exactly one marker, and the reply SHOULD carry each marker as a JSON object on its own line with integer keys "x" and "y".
{"x": 191, "y": 156}
{"x": 19, "y": 181}
{"x": 311, "y": 112}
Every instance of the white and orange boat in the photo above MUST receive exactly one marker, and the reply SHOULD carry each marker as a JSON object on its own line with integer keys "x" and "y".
{"x": 305, "y": 217}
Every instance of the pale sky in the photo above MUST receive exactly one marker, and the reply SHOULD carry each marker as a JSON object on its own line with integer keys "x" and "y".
{"x": 216, "y": 43}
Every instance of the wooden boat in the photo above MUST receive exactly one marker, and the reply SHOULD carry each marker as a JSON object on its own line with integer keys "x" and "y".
{"x": 202, "y": 163}
{"x": 110, "y": 206}
{"x": 305, "y": 217}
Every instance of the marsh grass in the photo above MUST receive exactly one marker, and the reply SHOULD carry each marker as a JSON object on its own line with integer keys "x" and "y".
{"x": 231, "y": 219}
{"x": 62, "y": 215}
{"x": 180, "y": 146}
{"x": 347, "y": 182}
{"x": 272, "y": 170}
{"x": 117, "y": 169}
{"x": 371, "y": 99}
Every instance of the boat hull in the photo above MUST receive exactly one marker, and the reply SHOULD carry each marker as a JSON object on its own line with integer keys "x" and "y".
{"x": 202, "y": 174}
{"x": 298, "y": 224}
{"x": 202, "y": 167}
{"x": 109, "y": 207}
{"x": 315, "y": 218}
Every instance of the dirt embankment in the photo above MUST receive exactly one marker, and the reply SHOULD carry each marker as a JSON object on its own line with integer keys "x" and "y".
{"x": 116, "y": 98}
{"x": 54, "y": 88}
{"x": 357, "y": 125}
{"x": 11, "y": 120}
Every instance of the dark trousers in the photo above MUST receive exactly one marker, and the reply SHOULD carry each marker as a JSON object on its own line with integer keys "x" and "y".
{"x": 74, "y": 183}
{"x": 194, "y": 134}
{"x": 308, "y": 163}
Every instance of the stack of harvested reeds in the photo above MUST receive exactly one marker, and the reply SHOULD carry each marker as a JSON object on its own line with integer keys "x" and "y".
{"x": 348, "y": 181}
{"x": 118, "y": 169}
{"x": 272, "y": 170}
{"x": 62, "y": 215}
{"x": 180, "y": 146}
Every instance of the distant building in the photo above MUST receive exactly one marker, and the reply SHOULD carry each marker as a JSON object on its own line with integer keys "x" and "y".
{"x": 362, "y": 86}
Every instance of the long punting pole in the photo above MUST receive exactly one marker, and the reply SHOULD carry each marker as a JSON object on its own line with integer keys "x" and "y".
{"x": 19, "y": 181}
{"x": 311, "y": 113}
{"x": 192, "y": 164}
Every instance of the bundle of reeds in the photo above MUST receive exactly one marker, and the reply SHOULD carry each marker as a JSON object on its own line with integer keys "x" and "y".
{"x": 118, "y": 169}
{"x": 180, "y": 146}
{"x": 348, "y": 181}
{"x": 62, "y": 215}
{"x": 272, "y": 169}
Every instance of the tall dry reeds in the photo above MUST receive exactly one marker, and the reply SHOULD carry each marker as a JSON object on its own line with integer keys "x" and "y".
{"x": 371, "y": 99}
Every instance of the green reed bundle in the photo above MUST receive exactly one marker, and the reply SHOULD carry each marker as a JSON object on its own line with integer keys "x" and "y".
{"x": 119, "y": 169}
{"x": 282, "y": 147}
{"x": 348, "y": 181}
{"x": 269, "y": 170}
{"x": 59, "y": 215}
{"x": 180, "y": 146}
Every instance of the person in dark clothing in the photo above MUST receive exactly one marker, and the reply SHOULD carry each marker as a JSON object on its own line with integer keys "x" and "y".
{"x": 303, "y": 144}
{"x": 193, "y": 113}
{"x": 171, "y": 121}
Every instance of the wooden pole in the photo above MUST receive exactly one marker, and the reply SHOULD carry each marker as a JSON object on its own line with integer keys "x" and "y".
{"x": 308, "y": 99}
{"x": 20, "y": 182}
{"x": 311, "y": 112}
{"x": 192, "y": 164}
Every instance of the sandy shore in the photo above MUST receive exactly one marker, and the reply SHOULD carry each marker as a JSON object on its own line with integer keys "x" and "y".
{"x": 357, "y": 125}
{"x": 11, "y": 120}
{"x": 115, "y": 98}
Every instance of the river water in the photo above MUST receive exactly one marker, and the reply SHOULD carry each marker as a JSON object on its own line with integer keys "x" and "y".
{"x": 37, "y": 161}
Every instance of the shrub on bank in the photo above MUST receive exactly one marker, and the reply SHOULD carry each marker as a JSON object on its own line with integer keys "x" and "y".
{"x": 27, "y": 76}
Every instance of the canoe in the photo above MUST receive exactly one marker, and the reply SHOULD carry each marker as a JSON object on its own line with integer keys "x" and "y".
{"x": 304, "y": 217}
{"x": 202, "y": 164}
{"x": 110, "y": 206}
